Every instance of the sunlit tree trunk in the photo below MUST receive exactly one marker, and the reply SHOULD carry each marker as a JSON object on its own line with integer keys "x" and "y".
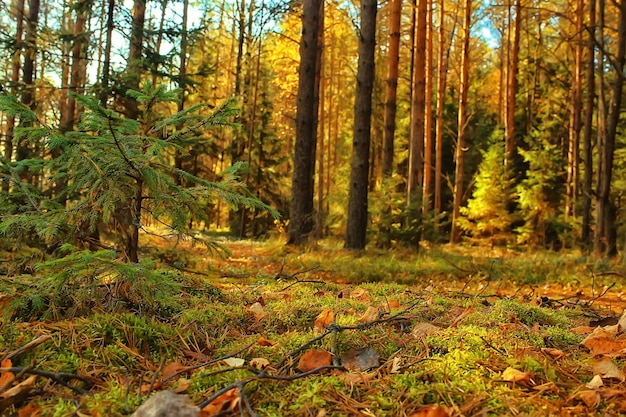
{"x": 357, "y": 203}
{"x": 18, "y": 9}
{"x": 428, "y": 111}
{"x": 416, "y": 146}
{"x": 302, "y": 186}
{"x": 455, "y": 235}
{"x": 575, "y": 115}
{"x": 106, "y": 65}
{"x": 321, "y": 166}
{"x": 395, "y": 12}
{"x": 606, "y": 237}
{"x": 587, "y": 133}
{"x": 511, "y": 91}
{"x": 442, "y": 71}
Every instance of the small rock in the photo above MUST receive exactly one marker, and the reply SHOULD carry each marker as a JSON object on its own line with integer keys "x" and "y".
{"x": 167, "y": 404}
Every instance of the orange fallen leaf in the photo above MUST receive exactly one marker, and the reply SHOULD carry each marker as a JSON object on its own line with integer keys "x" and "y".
{"x": 183, "y": 385}
{"x": 602, "y": 342}
{"x": 313, "y": 358}
{"x": 6, "y": 377}
{"x": 591, "y": 398}
{"x": 513, "y": 375}
{"x": 324, "y": 319}
{"x": 582, "y": 330}
{"x": 432, "y": 411}
{"x": 371, "y": 314}
{"x": 553, "y": 352}
{"x": 265, "y": 342}
{"x": 360, "y": 294}
{"x": 393, "y": 304}
{"x": 31, "y": 410}
{"x": 228, "y": 401}
{"x": 171, "y": 368}
{"x": 608, "y": 370}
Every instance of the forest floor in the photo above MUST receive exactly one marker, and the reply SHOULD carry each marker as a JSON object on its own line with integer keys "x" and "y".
{"x": 323, "y": 331}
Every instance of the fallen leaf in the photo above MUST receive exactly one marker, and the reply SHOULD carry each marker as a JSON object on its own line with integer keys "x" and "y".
{"x": 183, "y": 385}
{"x": 393, "y": 304}
{"x": 547, "y": 387}
{"x": 259, "y": 363}
{"x": 582, "y": 330}
{"x": 360, "y": 294}
{"x": 6, "y": 377}
{"x": 371, "y": 314}
{"x": 31, "y": 410}
{"x": 622, "y": 322}
{"x": 235, "y": 362}
{"x": 228, "y": 401}
{"x": 258, "y": 310}
{"x": 396, "y": 365}
{"x": 421, "y": 330}
{"x": 553, "y": 352}
{"x": 354, "y": 378}
{"x": 313, "y": 358}
{"x": 601, "y": 342}
{"x": 608, "y": 370}
{"x": 432, "y": 411}
{"x": 360, "y": 359}
{"x": 591, "y": 398}
{"x": 595, "y": 383}
{"x": 265, "y": 342}
{"x": 171, "y": 368}
{"x": 513, "y": 375}
{"x": 325, "y": 318}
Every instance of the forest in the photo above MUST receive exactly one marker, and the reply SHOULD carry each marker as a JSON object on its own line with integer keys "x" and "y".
{"x": 312, "y": 207}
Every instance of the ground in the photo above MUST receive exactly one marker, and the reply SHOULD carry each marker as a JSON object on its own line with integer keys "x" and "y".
{"x": 322, "y": 331}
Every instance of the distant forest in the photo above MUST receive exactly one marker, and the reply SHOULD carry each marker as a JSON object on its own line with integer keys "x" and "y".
{"x": 382, "y": 123}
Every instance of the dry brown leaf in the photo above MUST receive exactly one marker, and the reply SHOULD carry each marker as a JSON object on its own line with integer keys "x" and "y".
{"x": 602, "y": 342}
{"x": 513, "y": 375}
{"x": 553, "y": 352}
{"x": 354, "y": 378}
{"x": 265, "y": 342}
{"x": 371, "y": 314}
{"x": 6, "y": 377}
{"x": 582, "y": 330}
{"x": 421, "y": 330}
{"x": 591, "y": 398}
{"x": 325, "y": 318}
{"x": 622, "y": 322}
{"x": 228, "y": 401}
{"x": 360, "y": 294}
{"x": 235, "y": 362}
{"x": 393, "y": 304}
{"x": 259, "y": 363}
{"x": 595, "y": 383}
{"x": 183, "y": 385}
{"x": 432, "y": 411}
{"x": 360, "y": 359}
{"x": 313, "y": 358}
{"x": 20, "y": 389}
{"x": 171, "y": 368}
{"x": 31, "y": 410}
{"x": 608, "y": 370}
{"x": 547, "y": 387}
{"x": 258, "y": 310}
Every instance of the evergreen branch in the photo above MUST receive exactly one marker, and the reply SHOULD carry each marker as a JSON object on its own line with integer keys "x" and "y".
{"x": 119, "y": 147}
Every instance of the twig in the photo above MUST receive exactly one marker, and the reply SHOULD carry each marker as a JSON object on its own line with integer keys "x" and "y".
{"x": 27, "y": 347}
{"x": 58, "y": 377}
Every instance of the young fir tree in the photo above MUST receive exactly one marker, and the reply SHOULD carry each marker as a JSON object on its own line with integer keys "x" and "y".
{"x": 540, "y": 195}
{"x": 120, "y": 176}
{"x": 488, "y": 210}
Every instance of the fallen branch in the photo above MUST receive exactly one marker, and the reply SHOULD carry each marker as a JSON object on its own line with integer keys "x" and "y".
{"x": 58, "y": 377}
{"x": 27, "y": 347}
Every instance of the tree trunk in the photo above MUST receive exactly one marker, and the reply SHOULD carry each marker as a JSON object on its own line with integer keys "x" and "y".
{"x": 15, "y": 78}
{"x": 395, "y": 12}
{"x": 416, "y": 146}
{"x": 106, "y": 66}
{"x": 587, "y": 141}
{"x": 357, "y": 203}
{"x": 455, "y": 235}
{"x": 133, "y": 71}
{"x": 606, "y": 238}
{"x": 428, "y": 112}
{"x": 511, "y": 91}
{"x": 321, "y": 166}
{"x": 442, "y": 71}
{"x": 302, "y": 189}
{"x": 575, "y": 114}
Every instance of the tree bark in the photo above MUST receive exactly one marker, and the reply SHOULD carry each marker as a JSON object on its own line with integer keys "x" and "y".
{"x": 606, "y": 238}
{"x": 303, "y": 184}
{"x": 455, "y": 235}
{"x": 357, "y": 204}
{"x": 511, "y": 91}
{"x": 106, "y": 66}
{"x": 395, "y": 12}
{"x": 575, "y": 116}
{"x": 428, "y": 112}
{"x": 587, "y": 133}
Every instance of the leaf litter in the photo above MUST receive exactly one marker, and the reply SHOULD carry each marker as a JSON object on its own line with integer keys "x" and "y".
{"x": 322, "y": 347}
